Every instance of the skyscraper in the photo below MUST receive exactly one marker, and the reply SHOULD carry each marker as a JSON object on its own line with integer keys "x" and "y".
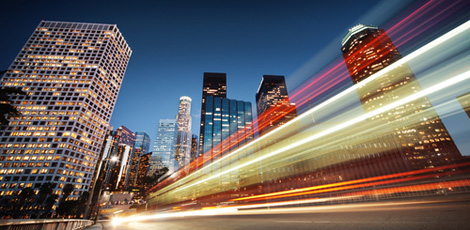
{"x": 144, "y": 164}
{"x": 214, "y": 84}
{"x": 72, "y": 73}
{"x": 194, "y": 153}
{"x": 164, "y": 146}
{"x": 228, "y": 125}
{"x": 423, "y": 139}
{"x": 183, "y": 135}
{"x": 141, "y": 147}
{"x": 119, "y": 150}
{"x": 272, "y": 103}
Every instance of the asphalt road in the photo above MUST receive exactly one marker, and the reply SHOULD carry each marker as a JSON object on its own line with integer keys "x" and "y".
{"x": 419, "y": 214}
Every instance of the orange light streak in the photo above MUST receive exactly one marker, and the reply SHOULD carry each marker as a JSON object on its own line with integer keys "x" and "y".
{"x": 301, "y": 191}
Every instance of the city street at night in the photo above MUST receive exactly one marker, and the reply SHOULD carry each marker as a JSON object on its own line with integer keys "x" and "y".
{"x": 426, "y": 213}
{"x": 235, "y": 115}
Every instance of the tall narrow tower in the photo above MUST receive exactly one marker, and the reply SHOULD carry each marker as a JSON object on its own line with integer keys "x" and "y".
{"x": 72, "y": 73}
{"x": 183, "y": 135}
{"x": 416, "y": 126}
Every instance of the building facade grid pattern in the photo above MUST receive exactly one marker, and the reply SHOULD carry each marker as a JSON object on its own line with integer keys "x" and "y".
{"x": 72, "y": 73}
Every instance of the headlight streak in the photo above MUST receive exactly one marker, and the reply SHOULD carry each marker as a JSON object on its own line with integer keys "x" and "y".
{"x": 460, "y": 29}
{"x": 202, "y": 212}
{"x": 283, "y": 206}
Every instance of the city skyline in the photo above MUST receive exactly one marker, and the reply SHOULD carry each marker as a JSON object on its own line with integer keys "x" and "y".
{"x": 355, "y": 102}
{"x": 266, "y": 40}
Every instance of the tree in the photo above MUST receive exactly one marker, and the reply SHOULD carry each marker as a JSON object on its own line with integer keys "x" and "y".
{"x": 67, "y": 190}
{"x": 82, "y": 203}
{"x": 49, "y": 203}
{"x": 5, "y": 210}
{"x": 21, "y": 202}
{"x": 44, "y": 193}
{"x": 66, "y": 207}
{"x": 6, "y": 109}
{"x": 45, "y": 190}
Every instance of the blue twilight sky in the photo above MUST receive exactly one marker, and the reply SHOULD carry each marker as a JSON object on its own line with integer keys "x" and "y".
{"x": 174, "y": 42}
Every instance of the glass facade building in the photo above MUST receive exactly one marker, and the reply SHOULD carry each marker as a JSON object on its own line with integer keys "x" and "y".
{"x": 72, "y": 73}
{"x": 214, "y": 84}
{"x": 272, "y": 103}
{"x": 228, "y": 125}
{"x": 164, "y": 146}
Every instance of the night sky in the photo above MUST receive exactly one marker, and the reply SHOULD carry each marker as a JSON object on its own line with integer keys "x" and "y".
{"x": 175, "y": 42}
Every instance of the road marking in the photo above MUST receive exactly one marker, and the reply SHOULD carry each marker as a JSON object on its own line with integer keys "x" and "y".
{"x": 293, "y": 221}
{"x": 322, "y": 221}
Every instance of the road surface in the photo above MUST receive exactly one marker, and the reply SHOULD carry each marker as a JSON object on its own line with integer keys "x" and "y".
{"x": 417, "y": 214}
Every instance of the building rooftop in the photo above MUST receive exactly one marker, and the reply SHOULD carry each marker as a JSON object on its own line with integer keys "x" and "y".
{"x": 356, "y": 29}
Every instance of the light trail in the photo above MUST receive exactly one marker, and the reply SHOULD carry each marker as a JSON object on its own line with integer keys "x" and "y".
{"x": 188, "y": 170}
{"x": 283, "y": 206}
{"x": 358, "y": 186}
{"x": 359, "y": 181}
{"x": 454, "y": 80}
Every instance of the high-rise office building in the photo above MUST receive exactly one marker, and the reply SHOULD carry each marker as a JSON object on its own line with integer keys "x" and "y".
{"x": 183, "y": 134}
{"x": 164, "y": 146}
{"x": 144, "y": 164}
{"x": 424, "y": 142}
{"x": 272, "y": 103}
{"x": 119, "y": 149}
{"x": 194, "y": 152}
{"x": 72, "y": 73}
{"x": 141, "y": 147}
{"x": 214, "y": 84}
{"x": 228, "y": 126}
{"x": 222, "y": 119}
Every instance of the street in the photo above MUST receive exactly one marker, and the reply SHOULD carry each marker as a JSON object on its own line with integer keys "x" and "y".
{"x": 416, "y": 214}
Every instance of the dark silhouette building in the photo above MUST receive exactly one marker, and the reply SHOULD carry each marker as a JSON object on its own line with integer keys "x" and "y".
{"x": 272, "y": 104}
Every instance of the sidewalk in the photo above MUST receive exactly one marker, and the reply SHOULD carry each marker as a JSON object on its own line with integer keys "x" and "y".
{"x": 96, "y": 226}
